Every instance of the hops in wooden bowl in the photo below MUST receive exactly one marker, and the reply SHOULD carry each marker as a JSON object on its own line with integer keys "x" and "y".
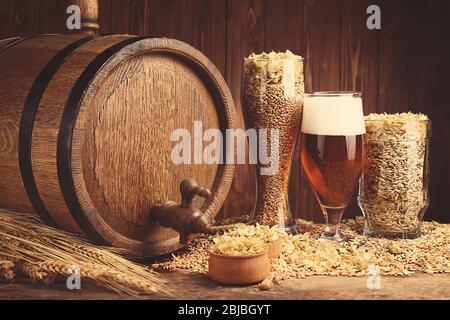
{"x": 238, "y": 260}
{"x": 270, "y": 235}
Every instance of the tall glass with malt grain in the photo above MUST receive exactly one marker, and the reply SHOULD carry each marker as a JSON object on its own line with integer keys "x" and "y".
{"x": 272, "y": 96}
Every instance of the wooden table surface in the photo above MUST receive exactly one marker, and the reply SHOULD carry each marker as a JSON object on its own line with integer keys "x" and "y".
{"x": 418, "y": 286}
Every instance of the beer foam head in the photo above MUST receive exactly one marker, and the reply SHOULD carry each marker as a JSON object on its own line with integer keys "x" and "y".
{"x": 333, "y": 114}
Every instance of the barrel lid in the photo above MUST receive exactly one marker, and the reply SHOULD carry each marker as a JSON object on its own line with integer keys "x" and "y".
{"x": 132, "y": 102}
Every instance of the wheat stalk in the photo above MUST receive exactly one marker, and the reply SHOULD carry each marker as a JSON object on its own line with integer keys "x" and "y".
{"x": 31, "y": 271}
{"x": 43, "y": 253}
{"x": 112, "y": 278}
{"x": 7, "y": 271}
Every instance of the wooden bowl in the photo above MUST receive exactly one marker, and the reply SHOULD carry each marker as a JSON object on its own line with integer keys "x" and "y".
{"x": 239, "y": 270}
{"x": 274, "y": 248}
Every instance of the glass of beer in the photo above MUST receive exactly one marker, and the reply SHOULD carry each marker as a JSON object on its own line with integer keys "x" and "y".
{"x": 332, "y": 152}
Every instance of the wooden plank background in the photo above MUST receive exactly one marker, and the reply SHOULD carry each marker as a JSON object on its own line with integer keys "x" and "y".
{"x": 405, "y": 66}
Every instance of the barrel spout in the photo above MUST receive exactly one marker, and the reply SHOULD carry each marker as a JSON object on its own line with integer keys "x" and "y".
{"x": 183, "y": 218}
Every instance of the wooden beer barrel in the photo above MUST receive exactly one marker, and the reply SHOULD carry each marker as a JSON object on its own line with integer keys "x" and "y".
{"x": 85, "y": 127}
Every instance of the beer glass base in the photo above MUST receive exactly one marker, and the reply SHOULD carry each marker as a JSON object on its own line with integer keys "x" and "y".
{"x": 392, "y": 234}
{"x": 337, "y": 237}
{"x": 333, "y": 216}
{"x": 291, "y": 229}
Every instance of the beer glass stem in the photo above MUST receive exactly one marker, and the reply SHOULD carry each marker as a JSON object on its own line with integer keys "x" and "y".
{"x": 333, "y": 218}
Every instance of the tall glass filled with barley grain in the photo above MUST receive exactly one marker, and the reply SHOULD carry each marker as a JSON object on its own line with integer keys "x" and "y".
{"x": 272, "y": 96}
{"x": 393, "y": 190}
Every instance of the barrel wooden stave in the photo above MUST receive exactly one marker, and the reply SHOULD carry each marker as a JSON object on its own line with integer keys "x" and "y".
{"x": 47, "y": 123}
{"x": 20, "y": 64}
{"x": 4, "y": 43}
